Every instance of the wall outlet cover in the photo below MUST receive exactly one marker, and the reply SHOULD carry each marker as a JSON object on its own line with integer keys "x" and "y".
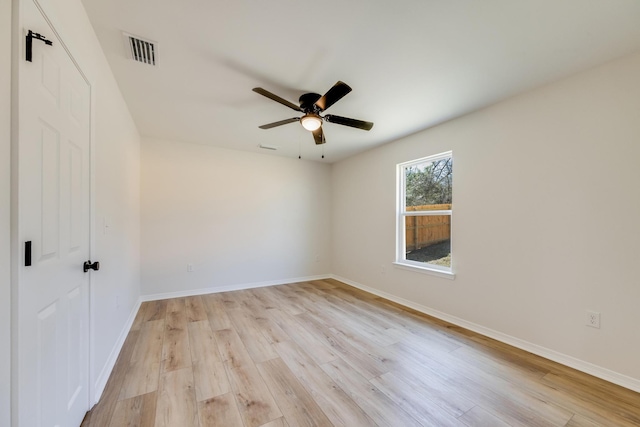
{"x": 593, "y": 319}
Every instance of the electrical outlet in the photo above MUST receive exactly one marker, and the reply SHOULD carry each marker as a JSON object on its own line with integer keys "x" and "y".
{"x": 383, "y": 269}
{"x": 189, "y": 268}
{"x": 593, "y": 319}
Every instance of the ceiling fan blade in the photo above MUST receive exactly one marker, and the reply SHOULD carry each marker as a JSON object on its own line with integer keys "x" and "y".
{"x": 360, "y": 124}
{"x": 276, "y": 98}
{"x": 318, "y": 136}
{"x": 333, "y": 95}
{"x": 280, "y": 123}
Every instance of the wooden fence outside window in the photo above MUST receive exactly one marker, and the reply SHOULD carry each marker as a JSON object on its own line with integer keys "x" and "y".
{"x": 426, "y": 230}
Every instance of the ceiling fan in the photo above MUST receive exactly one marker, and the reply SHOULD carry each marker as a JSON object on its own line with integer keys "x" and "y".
{"x": 312, "y": 104}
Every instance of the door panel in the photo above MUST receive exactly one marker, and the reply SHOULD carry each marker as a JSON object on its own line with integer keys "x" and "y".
{"x": 50, "y": 210}
{"x": 54, "y": 213}
{"x": 47, "y": 371}
{"x": 75, "y": 346}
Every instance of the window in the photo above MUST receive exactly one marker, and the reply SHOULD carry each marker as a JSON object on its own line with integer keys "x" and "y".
{"x": 424, "y": 214}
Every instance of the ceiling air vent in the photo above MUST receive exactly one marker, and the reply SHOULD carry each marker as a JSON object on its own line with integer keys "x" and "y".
{"x": 141, "y": 50}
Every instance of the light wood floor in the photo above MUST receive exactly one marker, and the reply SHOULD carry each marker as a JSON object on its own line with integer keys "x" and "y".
{"x": 323, "y": 353}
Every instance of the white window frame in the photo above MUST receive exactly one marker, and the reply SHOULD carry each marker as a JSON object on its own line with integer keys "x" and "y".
{"x": 402, "y": 213}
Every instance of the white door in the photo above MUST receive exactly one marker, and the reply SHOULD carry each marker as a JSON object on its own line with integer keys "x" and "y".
{"x": 54, "y": 214}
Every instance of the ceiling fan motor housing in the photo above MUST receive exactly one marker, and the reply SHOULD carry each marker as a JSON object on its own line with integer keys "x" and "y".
{"x": 308, "y": 101}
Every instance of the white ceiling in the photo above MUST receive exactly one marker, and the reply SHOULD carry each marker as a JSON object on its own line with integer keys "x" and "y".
{"x": 411, "y": 63}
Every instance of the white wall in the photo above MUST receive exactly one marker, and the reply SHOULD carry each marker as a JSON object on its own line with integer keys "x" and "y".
{"x": 546, "y": 220}
{"x": 240, "y": 218}
{"x": 116, "y": 168}
{"x": 5, "y": 224}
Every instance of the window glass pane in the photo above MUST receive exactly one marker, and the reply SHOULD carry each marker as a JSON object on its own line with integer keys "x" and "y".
{"x": 428, "y": 185}
{"x": 428, "y": 239}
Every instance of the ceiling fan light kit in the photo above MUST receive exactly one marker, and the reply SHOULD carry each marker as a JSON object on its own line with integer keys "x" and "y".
{"x": 311, "y": 122}
{"x": 312, "y": 104}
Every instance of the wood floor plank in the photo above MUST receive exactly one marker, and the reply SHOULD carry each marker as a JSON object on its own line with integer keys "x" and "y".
{"x": 140, "y": 315}
{"x": 258, "y": 306}
{"x": 580, "y": 421}
{"x": 341, "y": 285}
{"x": 427, "y": 324}
{"x": 500, "y": 398}
{"x": 232, "y": 348}
{"x": 418, "y": 405}
{"x": 341, "y": 409}
{"x": 211, "y": 379}
{"x": 318, "y": 350}
{"x": 209, "y": 373}
{"x": 280, "y": 422}
{"x": 578, "y": 398}
{"x": 357, "y": 293}
{"x": 255, "y": 342}
{"x": 195, "y": 309}
{"x": 176, "y": 352}
{"x": 338, "y": 316}
{"x": 202, "y": 342}
{"x": 271, "y": 330}
{"x": 255, "y": 402}
{"x": 596, "y": 401}
{"x": 246, "y": 301}
{"x": 398, "y": 318}
{"x": 176, "y": 406}
{"x": 348, "y": 303}
{"x": 291, "y": 303}
{"x": 139, "y": 411}
{"x": 376, "y": 404}
{"x": 144, "y": 366}
{"x": 155, "y": 310}
{"x": 508, "y": 369}
{"x": 267, "y": 299}
{"x": 553, "y": 412}
{"x": 593, "y": 388}
{"x": 219, "y": 411}
{"x": 214, "y": 307}
{"x": 292, "y": 398}
{"x": 478, "y": 417}
{"x": 320, "y": 284}
{"x": 365, "y": 364}
{"x": 443, "y": 393}
{"x": 230, "y": 299}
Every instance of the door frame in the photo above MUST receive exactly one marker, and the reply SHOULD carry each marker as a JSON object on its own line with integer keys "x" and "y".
{"x": 6, "y": 61}
{"x": 16, "y": 255}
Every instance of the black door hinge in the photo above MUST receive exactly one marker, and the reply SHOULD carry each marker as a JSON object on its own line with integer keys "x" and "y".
{"x": 30, "y": 36}
{"x": 27, "y": 253}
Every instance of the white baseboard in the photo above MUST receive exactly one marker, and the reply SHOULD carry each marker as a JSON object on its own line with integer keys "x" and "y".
{"x": 103, "y": 377}
{"x": 237, "y": 287}
{"x": 570, "y": 361}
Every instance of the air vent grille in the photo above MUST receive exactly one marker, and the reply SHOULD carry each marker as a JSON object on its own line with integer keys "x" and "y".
{"x": 141, "y": 50}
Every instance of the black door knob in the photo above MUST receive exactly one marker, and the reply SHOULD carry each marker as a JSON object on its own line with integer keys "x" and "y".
{"x": 88, "y": 265}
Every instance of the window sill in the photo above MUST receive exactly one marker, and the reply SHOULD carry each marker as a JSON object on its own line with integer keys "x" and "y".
{"x": 425, "y": 270}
